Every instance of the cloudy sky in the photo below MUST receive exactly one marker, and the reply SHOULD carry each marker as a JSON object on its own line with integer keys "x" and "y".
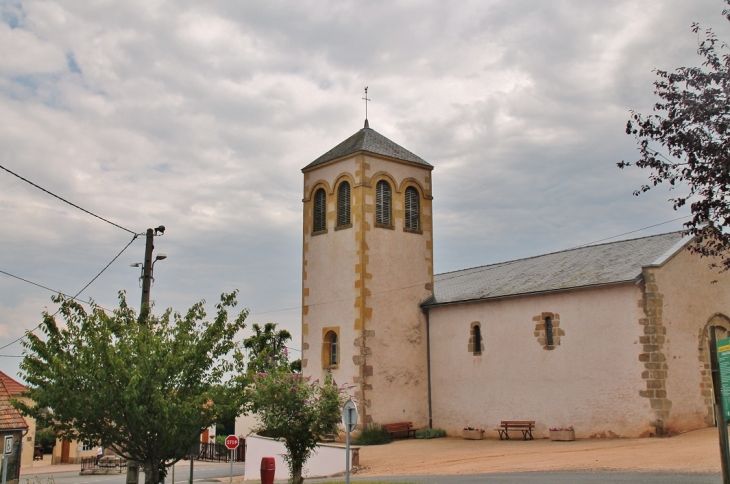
{"x": 200, "y": 115}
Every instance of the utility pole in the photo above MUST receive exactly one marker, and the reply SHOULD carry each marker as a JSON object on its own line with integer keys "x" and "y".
{"x": 147, "y": 267}
{"x": 147, "y": 275}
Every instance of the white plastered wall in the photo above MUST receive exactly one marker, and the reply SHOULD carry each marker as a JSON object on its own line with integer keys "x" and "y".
{"x": 591, "y": 380}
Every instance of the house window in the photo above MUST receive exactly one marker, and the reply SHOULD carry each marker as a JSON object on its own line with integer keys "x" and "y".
{"x": 87, "y": 446}
{"x": 476, "y": 340}
{"x": 412, "y": 219}
{"x": 549, "y": 331}
{"x": 331, "y": 349}
{"x": 343, "y": 204}
{"x": 320, "y": 210}
{"x": 382, "y": 203}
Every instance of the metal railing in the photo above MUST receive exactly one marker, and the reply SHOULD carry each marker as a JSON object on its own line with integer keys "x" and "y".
{"x": 219, "y": 452}
{"x": 110, "y": 464}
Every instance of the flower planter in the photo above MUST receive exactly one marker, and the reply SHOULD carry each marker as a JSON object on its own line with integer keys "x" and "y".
{"x": 562, "y": 435}
{"x": 472, "y": 434}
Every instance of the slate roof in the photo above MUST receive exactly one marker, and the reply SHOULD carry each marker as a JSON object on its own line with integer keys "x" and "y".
{"x": 10, "y": 418}
{"x": 369, "y": 140}
{"x": 595, "y": 265}
{"x": 13, "y": 387}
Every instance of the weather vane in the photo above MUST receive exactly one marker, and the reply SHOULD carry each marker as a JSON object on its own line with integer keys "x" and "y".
{"x": 366, "y": 103}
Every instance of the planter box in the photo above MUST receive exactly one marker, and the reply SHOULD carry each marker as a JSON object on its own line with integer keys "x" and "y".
{"x": 562, "y": 435}
{"x": 472, "y": 434}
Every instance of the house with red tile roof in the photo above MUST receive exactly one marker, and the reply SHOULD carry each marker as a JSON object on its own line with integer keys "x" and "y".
{"x": 14, "y": 388}
{"x": 14, "y": 425}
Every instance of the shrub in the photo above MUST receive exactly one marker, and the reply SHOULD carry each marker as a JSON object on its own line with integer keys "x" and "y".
{"x": 372, "y": 434}
{"x": 430, "y": 433}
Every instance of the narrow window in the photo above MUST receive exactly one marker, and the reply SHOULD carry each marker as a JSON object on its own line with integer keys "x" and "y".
{"x": 333, "y": 350}
{"x": 382, "y": 203}
{"x": 477, "y": 340}
{"x": 320, "y": 210}
{"x": 412, "y": 221}
{"x": 343, "y": 204}
{"x": 549, "y": 330}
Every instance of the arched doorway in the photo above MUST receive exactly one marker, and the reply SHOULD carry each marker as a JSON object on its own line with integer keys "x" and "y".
{"x": 722, "y": 331}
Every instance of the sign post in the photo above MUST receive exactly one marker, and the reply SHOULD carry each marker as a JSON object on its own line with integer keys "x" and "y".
{"x": 232, "y": 444}
{"x": 6, "y": 456}
{"x": 720, "y": 369}
{"x": 349, "y": 420}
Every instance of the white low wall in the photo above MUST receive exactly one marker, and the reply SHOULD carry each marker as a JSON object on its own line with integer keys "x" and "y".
{"x": 326, "y": 459}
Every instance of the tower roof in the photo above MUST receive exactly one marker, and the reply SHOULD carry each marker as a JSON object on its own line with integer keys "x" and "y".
{"x": 371, "y": 141}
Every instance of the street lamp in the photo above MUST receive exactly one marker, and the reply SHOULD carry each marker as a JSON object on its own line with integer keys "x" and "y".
{"x": 152, "y": 269}
{"x": 148, "y": 267}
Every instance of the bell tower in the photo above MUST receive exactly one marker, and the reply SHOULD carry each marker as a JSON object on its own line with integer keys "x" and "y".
{"x": 367, "y": 265}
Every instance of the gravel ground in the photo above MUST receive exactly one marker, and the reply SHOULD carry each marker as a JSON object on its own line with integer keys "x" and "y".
{"x": 693, "y": 452}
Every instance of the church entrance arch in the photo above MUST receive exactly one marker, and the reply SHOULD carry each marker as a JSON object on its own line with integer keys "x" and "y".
{"x": 722, "y": 331}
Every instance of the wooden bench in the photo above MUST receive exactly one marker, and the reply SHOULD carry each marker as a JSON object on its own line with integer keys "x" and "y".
{"x": 525, "y": 426}
{"x": 400, "y": 428}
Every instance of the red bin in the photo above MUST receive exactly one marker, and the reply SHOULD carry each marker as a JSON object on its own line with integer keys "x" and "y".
{"x": 268, "y": 469}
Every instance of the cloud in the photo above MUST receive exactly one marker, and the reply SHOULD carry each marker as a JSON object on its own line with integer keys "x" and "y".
{"x": 200, "y": 117}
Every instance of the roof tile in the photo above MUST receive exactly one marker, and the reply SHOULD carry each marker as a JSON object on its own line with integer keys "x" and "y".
{"x": 593, "y": 265}
{"x": 10, "y": 418}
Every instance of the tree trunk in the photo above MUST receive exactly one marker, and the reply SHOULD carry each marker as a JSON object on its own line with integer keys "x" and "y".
{"x": 151, "y": 473}
{"x": 296, "y": 474}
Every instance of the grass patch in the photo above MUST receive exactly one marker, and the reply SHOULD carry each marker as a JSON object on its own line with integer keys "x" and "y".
{"x": 430, "y": 433}
{"x": 372, "y": 434}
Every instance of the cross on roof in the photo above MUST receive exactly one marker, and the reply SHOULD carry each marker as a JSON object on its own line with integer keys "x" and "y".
{"x": 366, "y": 103}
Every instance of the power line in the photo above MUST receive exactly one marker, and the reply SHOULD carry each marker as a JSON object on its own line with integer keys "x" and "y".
{"x": 501, "y": 264}
{"x": 72, "y": 297}
{"x": 66, "y": 201}
{"x": 631, "y": 232}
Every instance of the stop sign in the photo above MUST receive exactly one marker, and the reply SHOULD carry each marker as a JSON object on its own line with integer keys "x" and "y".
{"x": 231, "y": 442}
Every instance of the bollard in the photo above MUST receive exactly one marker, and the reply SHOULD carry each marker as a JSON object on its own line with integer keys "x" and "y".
{"x": 268, "y": 469}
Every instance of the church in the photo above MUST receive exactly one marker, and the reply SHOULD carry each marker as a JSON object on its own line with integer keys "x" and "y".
{"x": 609, "y": 338}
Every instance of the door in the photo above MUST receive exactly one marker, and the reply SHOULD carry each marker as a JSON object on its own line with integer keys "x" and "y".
{"x": 65, "y": 450}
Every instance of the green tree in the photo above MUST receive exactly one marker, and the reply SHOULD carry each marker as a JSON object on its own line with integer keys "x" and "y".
{"x": 297, "y": 411}
{"x": 145, "y": 389}
{"x": 686, "y": 144}
{"x": 266, "y": 347}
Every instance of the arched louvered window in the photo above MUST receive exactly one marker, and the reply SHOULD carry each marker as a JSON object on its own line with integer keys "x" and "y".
{"x": 382, "y": 203}
{"x": 549, "y": 331}
{"x": 320, "y": 210}
{"x": 343, "y": 204}
{"x": 412, "y": 209}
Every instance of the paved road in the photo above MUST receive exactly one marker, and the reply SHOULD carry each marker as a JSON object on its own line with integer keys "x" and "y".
{"x": 564, "y": 477}
{"x": 201, "y": 472}
{"x": 209, "y": 471}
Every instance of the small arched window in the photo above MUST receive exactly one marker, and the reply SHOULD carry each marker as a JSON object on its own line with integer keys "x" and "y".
{"x": 412, "y": 209}
{"x": 343, "y": 204}
{"x": 549, "y": 331}
{"x": 334, "y": 354}
{"x": 320, "y": 210}
{"x": 477, "y": 340}
{"x": 382, "y": 203}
